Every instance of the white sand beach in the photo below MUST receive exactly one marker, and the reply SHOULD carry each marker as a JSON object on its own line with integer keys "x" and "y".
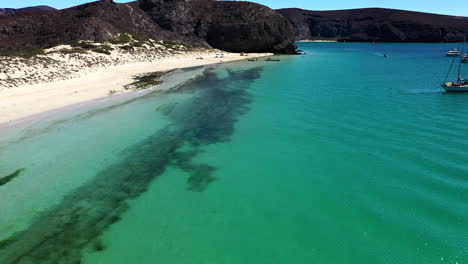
{"x": 28, "y": 99}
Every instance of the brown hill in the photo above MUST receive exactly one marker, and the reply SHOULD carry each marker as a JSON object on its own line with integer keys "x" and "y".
{"x": 376, "y": 24}
{"x": 229, "y": 25}
{"x": 97, "y": 21}
{"x": 232, "y": 26}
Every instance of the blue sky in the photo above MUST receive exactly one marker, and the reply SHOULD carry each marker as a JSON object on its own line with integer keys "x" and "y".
{"x": 451, "y": 7}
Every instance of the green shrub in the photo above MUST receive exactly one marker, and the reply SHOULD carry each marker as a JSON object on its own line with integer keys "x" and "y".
{"x": 137, "y": 44}
{"x": 140, "y": 38}
{"x": 86, "y": 45}
{"x": 169, "y": 44}
{"x": 72, "y": 51}
{"x": 123, "y": 38}
{"x": 127, "y": 48}
{"x": 26, "y": 53}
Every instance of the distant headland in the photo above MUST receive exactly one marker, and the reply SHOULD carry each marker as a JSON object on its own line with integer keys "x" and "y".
{"x": 376, "y": 25}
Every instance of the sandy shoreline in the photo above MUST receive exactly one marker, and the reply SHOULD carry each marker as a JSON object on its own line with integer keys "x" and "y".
{"x": 31, "y": 99}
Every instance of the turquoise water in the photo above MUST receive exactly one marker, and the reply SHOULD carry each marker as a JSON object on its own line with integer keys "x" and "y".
{"x": 337, "y": 156}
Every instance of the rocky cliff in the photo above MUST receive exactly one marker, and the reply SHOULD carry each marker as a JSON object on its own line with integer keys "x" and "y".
{"x": 229, "y": 25}
{"x": 376, "y": 24}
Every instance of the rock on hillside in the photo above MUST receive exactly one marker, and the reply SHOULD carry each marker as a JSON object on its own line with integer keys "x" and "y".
{"x": 376, "y": 24}
{"x": 31, "y": 8}
{"x": 228, "y": 25}
{"x": 4, "y": 11}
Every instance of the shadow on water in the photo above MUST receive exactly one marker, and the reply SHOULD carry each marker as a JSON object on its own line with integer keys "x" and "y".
{"x": 60, "y": 235}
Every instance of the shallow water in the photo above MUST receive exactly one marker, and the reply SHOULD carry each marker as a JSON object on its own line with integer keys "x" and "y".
{"x": 337, "y": 156}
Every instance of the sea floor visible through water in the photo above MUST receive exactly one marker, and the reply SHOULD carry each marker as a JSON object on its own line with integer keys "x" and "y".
{"x": 336, "y": 156}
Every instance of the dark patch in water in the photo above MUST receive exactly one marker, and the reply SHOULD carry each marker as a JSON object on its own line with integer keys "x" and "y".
{"x": 8, "y": 241}
{"x": 9, "y": 178}
{"x": 166, "y": 109}
{"x": 98, "y": 245}
{"x": 60, "y": 235}
{"x": 201, "y": 177}
{"x": 183, "y": 160}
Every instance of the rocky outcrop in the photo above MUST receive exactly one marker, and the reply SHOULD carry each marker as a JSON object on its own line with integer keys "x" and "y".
{"x": 98, "y": 21}
{"x": 4, "y": 11}
{"x": 376, "y": 24}
{"x": 227, "y": 25}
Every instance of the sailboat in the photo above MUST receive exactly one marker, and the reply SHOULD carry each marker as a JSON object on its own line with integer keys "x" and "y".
{"x": 464, "y": 59}
{"x": 460, "y": 85}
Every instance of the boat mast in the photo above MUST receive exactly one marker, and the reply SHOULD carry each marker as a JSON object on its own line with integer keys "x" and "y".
{"x": 450, "y": 69}
{"x": 461, "y": 58}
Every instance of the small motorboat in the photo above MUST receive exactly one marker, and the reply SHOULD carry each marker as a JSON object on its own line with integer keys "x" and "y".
{"x": 252, "y": 59}
{"x": 453, "y": 53}
{"x": 270, "y": 59}
{"x": 386, "y": 55}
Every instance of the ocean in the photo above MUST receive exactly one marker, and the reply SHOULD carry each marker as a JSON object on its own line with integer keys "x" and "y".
{"x": 336, "y": 156}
